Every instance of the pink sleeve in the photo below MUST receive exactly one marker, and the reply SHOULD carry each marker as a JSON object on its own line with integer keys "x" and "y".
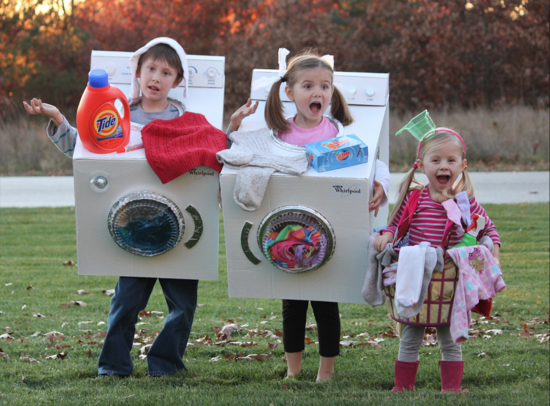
{"x": 490, "y": 228}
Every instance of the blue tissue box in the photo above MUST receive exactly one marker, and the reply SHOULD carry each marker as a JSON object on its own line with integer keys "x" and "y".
{"x": 336, "y": 153}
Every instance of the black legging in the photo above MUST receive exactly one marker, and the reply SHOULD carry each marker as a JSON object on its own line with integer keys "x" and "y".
{"x": 328, "y": 326}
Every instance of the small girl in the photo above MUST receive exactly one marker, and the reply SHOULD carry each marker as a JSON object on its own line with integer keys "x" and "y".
{"x": 309, "y": 84}
{"x": 442, "y": 158}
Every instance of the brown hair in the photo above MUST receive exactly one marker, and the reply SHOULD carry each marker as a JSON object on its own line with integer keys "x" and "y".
{"x": 308, "y": 59}
{"x": 165, "y": 53}
{"x": 410, "y": 183}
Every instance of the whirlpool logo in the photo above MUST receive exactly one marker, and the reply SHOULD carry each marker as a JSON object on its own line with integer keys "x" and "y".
{"x": 347, "y": 191}
{"x": 201, "y": 173}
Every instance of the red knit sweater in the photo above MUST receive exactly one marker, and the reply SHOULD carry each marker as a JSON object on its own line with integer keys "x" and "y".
{"x": 173, "y": 147}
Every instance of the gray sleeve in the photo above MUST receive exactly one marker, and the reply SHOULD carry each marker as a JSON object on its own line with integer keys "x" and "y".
{"x": 64, "y": 136}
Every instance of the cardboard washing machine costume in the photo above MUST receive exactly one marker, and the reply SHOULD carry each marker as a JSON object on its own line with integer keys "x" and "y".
{"x": 110, "y": 187}
{"x": 329, "y": 207}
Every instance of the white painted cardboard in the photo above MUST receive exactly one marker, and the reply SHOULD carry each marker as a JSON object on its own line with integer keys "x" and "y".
{"x": 97, "y": 252}
{"x": 341, "y": 278}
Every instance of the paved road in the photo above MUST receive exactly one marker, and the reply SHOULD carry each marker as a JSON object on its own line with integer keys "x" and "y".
{"x": 491, "y": 187}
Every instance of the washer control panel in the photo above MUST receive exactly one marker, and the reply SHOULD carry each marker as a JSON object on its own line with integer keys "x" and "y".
{"x": 203, "y": 70}
{"x": 365, "y": 89}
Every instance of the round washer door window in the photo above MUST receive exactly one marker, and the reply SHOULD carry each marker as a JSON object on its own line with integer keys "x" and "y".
{"x": 296, "y": 239}
{"x": 146, "y": 223}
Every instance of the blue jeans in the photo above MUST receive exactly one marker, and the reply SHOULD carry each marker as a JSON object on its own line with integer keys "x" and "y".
{"x": 166, "y": 353}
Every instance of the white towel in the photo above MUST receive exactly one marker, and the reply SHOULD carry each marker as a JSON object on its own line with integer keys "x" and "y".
{"x": 410, "y": 273}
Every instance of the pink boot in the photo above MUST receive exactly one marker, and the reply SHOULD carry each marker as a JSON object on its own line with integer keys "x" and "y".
{"x": 405, "y": 374}
{"x": 451, "y": 375}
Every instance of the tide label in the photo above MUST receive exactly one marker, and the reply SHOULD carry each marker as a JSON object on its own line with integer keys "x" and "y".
{"x": 106, "y": 126}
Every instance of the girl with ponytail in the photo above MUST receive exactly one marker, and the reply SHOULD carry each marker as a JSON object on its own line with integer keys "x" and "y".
{"x": 309, "y": 84}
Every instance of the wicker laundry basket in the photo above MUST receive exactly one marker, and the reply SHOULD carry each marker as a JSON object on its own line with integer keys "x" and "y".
{"x": 437, "y": 308}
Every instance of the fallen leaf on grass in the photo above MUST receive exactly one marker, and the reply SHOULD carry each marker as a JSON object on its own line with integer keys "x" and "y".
{"x": 68, "y": 263}
{"x": 145, "y": 349}
{"x": 244, "y": 359}
{"x": 3, "y": 354}
{"x": 38, "y": 315}
{"x": 26, "y": 358}
{"x": 348, "y": 343}
{"x": 36, "y": 334}
{"x": 429, "y": 340}
{"x": 310, "y": 326}
{"x": 6, "y": 336}
{"x": 30, "y": 287}
{"x": 24, "y": 307}
{"x": 61, "y": 355}
{"x": 54, "y": 334}
{"x": 82, "y": 292}
{"x": 272, "y": 346}
{"x": 9, "y": 284}
{"x": 200, "y": 304}
{"x": 228, "y": 329}
{"x": 308, "y": 340}
{"x": 74, "y": 303}
{"x": 85, "y": 322}
{"x": 526, "y": 332}
{"x": 279, "y": 333}
{"x": 108, "y": 292}
{"x": 495, "y": 332}
{"x": 484, "y": 354}
{"x": 216, "y": 359}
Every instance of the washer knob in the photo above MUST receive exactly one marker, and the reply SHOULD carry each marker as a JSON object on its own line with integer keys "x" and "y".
{"x": 191, "y": 73}
{"x": 110, "y": 69}
{"x": 369, "y": 91}
{"x": 211, "y": 73}
{"x": 352, "y": 90}
{"x": 100, "y": 182}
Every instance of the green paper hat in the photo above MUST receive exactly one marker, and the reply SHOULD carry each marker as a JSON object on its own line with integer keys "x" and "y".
{"x": 422, "y": 126}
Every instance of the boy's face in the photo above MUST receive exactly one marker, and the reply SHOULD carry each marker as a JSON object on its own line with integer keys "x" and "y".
{"x": 156, "y": 79}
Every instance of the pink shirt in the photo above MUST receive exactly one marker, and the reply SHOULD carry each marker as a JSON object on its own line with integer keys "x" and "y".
{"x": 428, "y": 222}
{"x": 302, "y": 136}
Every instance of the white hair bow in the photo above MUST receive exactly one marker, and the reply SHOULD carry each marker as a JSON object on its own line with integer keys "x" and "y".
{"x": 283, "y": 53}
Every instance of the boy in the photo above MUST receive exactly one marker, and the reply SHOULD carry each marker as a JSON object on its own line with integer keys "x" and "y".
{"x": 160, "y": 65}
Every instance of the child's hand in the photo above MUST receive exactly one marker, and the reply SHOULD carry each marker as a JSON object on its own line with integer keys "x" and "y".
{"x": 44, "y": 109}
{"x": 238, "y": 116}
{"x": 374, "y": 204}
{"x": 381, "y": 241}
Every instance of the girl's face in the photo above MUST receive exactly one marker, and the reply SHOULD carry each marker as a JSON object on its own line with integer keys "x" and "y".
{"x": 311, "y": 93}
{"x": 442, "y": 164}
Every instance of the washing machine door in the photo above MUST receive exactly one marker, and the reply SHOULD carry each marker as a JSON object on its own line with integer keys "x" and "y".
{"x": 146, "y": 223}
{"x": 296, "y": 239}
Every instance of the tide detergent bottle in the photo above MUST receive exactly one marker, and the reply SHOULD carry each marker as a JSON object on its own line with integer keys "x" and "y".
{"x": 101, "y": 128}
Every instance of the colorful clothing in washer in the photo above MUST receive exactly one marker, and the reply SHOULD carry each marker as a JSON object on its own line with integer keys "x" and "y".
{"x": 295, "y": 246}
{"x": 480, "y": 278}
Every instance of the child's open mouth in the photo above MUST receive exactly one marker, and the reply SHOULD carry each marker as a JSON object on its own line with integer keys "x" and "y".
{"x": 443, "y": 180}
{"x": 315, "y": 107}
{"x": 154, "y": 88}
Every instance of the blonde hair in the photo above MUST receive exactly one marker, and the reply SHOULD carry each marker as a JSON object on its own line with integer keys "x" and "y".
{"x": 410, "y": 183}
{"x": 308, "y": 59}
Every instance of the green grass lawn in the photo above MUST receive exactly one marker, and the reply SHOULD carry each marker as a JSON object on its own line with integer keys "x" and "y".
{"x": 505, "y": 364}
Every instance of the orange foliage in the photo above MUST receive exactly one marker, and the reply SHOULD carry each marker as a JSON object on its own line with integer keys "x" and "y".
{"x": 438, "y": 53}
